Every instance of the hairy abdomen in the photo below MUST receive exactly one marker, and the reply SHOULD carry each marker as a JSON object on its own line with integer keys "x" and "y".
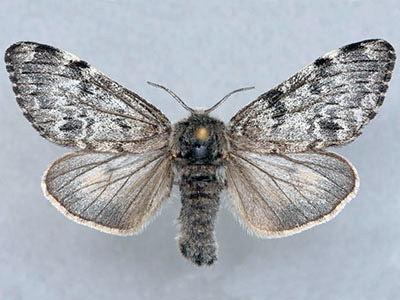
{"x": 200, "y": 189}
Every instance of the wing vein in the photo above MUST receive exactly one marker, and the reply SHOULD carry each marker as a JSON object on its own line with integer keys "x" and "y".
{"x": 145, "y": 182}
{"x": 84, "y": 172}
{"x": 246, "y": 178}
{"x": 274, "y": 181}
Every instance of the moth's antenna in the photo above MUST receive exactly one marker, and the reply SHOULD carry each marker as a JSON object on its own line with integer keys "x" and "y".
{"x": 191, "y": 110}
{"x": 207, "y": 111}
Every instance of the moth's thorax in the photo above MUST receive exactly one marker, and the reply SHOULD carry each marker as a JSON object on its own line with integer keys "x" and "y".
{"x": 199, "y": 140}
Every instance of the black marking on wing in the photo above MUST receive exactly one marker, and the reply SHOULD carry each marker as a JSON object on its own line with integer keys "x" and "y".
{"x": 323, "y": 62}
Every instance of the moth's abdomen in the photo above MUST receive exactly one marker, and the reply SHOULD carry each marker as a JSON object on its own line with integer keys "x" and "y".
{"x": 200, "y": 190}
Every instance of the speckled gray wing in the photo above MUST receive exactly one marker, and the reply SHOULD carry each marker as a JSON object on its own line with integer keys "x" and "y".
{"x": 71, "y": 103}
{"x": 113, "y": 192}
{"x": 277, "y": 195}
{"x": 325, "y": 104}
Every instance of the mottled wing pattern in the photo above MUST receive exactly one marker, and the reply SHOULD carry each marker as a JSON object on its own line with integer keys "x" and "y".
{"x": 71, "y": 103}
{"x": 279, "y": 195}
{"x": 113, "y": 192}
{"x": 325, "y": 104}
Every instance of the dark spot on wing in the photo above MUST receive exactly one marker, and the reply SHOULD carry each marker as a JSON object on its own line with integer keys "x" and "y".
{"x": 89, "y": 146}
{"x": 371, "y": 115}
{"x": 7, "y": 58}
{"x": 183, "y": 250}
{"x": 379, "y": 102}
{"x": 315, "y": 88}
{"x": 279, "y": 110}
{"x": 10, "y": 50}
{"x": 121, "y": 123}
{"x": 28, "y": 116}
{"x": 13, "y": 78}
{"x": 383, "y": 88}
{"x": 16, "y": 90}
{"x": 278, "y": 122}
{"x": 40, "y": 129}
{"x": 71, "y": 125}
{"x": 390, "y": 66}
{"x": 10, "y": 68}
{"x": 353, "y": 47}
{"x": 89, "y": 122}
{"x": 386, "y": 77}
{"x": 45, "y": 48}
{"x": 85, "y": 88}
{"x": 78, "y": 64}
{"x": 391, "y": 55}
{"x": 118, "y": 147}
{"x": 20, "y": 101}
{"x": 329, "y": 125}
{"x": 271, "y": 96}
{"x": 313, "y": 144}
{"x": 323, "y": 62}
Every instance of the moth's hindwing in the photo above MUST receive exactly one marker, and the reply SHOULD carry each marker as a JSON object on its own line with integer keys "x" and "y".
{"x": 113, "y": 192}
{"x": 279, "y": 195}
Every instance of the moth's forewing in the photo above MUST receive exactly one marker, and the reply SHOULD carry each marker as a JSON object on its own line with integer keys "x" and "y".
{"x": 71, "y": 103}
{"x": 325, "y": 104}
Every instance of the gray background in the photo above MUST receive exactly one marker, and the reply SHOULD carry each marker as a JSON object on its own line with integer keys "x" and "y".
{"x": 201, "y": 50}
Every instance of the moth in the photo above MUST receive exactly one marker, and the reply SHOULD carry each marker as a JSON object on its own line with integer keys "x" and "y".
{"x": 270, "y": 157}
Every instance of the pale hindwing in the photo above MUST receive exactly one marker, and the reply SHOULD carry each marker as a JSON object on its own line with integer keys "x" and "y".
{"x": 279, "y": 195}
{"x": 115, "y": 193}
{"x": 71, "y": 103}
{"x": 325, "y": 104}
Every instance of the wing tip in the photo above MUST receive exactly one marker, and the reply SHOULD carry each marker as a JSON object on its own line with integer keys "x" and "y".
{"x": 28, "y": 45}
{"x": 13, "y": 48}
{"x": 378, "y": 43}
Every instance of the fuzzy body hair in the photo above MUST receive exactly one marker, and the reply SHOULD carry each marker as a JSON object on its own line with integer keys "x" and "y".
{"x": 200, "y": 175}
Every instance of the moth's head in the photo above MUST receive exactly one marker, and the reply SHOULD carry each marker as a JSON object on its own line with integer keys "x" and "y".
{"x": 199, "y": 139}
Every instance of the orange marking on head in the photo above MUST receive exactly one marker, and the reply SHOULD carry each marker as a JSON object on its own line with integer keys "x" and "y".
{"x": 202, "y": 133}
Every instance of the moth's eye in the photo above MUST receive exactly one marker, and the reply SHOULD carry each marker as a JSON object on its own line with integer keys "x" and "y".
{"x": 202, "y": 133}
